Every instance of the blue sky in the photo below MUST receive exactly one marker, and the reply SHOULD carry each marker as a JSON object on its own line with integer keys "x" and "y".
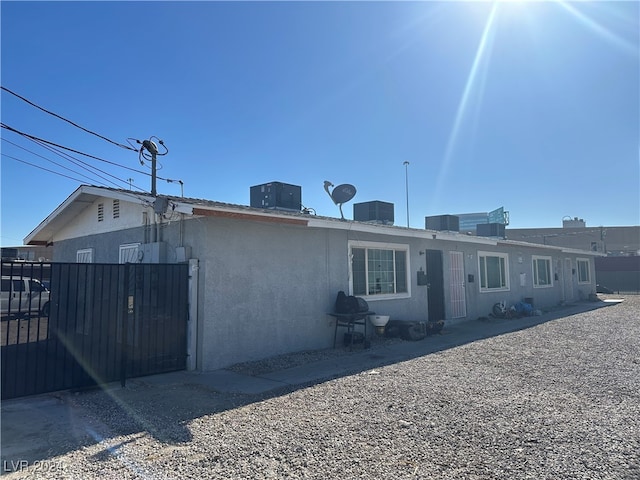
{"x": 533, "y": 107}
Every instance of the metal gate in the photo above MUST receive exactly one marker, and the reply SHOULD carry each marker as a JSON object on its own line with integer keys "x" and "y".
{"x": 104, "y": 323}
{"x": 435, "y": 286}
{"x": 457, "y": 290}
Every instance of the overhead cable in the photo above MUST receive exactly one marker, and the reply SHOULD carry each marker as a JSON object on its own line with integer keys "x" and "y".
{"x": 38, "y": 139}
{"x": 42, "y": 168}
{"x": 127, "y": 147}
{"x": 132, "y": 195}
{"x": 84, "y": 165}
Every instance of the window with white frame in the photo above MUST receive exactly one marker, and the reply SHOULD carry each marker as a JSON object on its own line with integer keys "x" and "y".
{"x": 584, "y": 272}
{"x": 379, "y": 269}
{"x": 542, "y": 276}
{"x": 493, "y": 269}
{"x": 85, "y": 255}
{"x": 129, "y": 253}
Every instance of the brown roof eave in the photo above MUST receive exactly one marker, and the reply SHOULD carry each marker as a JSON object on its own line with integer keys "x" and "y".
{"x": 249, "y": 216}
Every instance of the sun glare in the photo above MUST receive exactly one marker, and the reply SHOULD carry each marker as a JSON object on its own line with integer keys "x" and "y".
{"x": 480, "y": 61}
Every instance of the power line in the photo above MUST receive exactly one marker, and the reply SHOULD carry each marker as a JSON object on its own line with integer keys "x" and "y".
{"x": 89, "y": 168}
{"x": 33, "y": 137}
{"x": 127, "y": 147}
{"x": 132, "y": 195}
{"x": 38, "y": 139}
{"x": 42, "y": 168}
{"x": 45, "y": 158}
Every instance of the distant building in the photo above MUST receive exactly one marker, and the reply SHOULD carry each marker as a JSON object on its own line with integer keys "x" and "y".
{"x": 612, "y": 241}
{"x": 618, "y": 271}
{"x": 468, "y": 221}
{"x": 27, "y": 253}
{"x": 574, "y": 223}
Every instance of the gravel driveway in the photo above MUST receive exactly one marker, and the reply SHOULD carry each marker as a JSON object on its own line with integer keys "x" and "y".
{"x": 557, "y": 401}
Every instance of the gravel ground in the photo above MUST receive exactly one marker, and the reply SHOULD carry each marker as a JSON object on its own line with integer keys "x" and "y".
{"x": 557, "y": 401}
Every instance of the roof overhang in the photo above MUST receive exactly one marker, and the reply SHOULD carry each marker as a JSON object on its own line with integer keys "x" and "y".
{"x": 80, "y": 199}
{"x": 257, "y": 217}
{"x": 86, "y": 195}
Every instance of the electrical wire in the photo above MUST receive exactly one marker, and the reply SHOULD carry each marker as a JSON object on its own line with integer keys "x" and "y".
{"x": 132, "y": 195}
{"x": 66, "y": 120}
{"x": 84, "y": 165}
{"x": 41, "y": 168}
{"x": 33, "y": 137}
{"x": 38, "y": 139}
{"x": 47, "y": 159}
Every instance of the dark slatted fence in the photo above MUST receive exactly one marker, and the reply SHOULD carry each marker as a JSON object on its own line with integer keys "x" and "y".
{"x": 102, "y": 323}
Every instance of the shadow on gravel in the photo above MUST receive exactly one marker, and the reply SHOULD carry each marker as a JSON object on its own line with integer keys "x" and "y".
{"x": 38, "y": 429}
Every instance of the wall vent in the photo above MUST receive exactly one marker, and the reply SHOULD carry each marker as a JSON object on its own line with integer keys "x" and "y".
{"x": 101, "y": 212}
{"x": 116, "y": 208}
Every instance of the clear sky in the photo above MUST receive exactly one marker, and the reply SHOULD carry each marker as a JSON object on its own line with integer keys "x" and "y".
{"x": 533, "y": 107}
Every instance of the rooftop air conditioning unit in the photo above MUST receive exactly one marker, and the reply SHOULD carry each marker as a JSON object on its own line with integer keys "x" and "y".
{"x": 276, "y": 196}
{"x": 443, "y": 223}
{"x": 375, "y": 212}
{"x": 490, "y": 230}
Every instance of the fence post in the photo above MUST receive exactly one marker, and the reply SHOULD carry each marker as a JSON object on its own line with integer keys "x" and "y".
{"x": 127, "y": 313}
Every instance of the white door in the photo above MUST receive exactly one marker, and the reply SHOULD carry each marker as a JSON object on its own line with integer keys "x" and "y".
{"x": 457, "y": 285}
{"x": 567, "y": 281}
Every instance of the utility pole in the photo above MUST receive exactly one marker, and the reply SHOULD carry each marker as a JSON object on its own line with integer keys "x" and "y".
{"x": 149, "y": 151}
{"x": 152, "y": 148}
{"x": 406, "y": 187}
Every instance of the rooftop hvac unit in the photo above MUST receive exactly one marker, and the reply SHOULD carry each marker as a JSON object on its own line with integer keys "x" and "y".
{"x": 490, "y": 230}
{"x": 443, "y": 223}
{"x": 375, "y": 211}
{"x": 276, "y": 196}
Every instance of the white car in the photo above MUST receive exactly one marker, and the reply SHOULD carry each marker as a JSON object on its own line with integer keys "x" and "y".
{"x": 23, "y": 296}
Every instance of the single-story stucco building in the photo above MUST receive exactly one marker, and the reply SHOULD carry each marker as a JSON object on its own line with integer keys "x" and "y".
{"x": 264, "y": 280}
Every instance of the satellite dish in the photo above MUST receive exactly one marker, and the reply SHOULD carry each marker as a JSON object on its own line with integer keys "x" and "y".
{"x": 340, "y": 194}
{"x": 343, "y": 193}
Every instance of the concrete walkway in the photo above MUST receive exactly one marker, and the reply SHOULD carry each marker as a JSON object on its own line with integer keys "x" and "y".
{"x": 460, "y": 333}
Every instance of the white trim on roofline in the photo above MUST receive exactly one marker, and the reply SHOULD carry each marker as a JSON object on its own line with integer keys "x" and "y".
{"x": 188, "y": 205}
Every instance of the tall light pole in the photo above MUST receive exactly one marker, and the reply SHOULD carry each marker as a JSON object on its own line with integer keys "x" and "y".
{"x": 406, "y": 187}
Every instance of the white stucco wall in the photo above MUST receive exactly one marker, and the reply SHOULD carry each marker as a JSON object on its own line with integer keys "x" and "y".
{"x": 265, "y": 288}
{"x": 87, "y": 223}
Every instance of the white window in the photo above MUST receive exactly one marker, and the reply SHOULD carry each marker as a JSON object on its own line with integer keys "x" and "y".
{"x": 85, "y": 255}
{"x": 101, "y": 212}
{"x": 379, "y": 270}
{"x": 116, "y": 208}
{"x": 129, "y": 253}
{"x": 584, "y": 272}
{"x": 494, "y": 271}
{"x": 542, "y": 276}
